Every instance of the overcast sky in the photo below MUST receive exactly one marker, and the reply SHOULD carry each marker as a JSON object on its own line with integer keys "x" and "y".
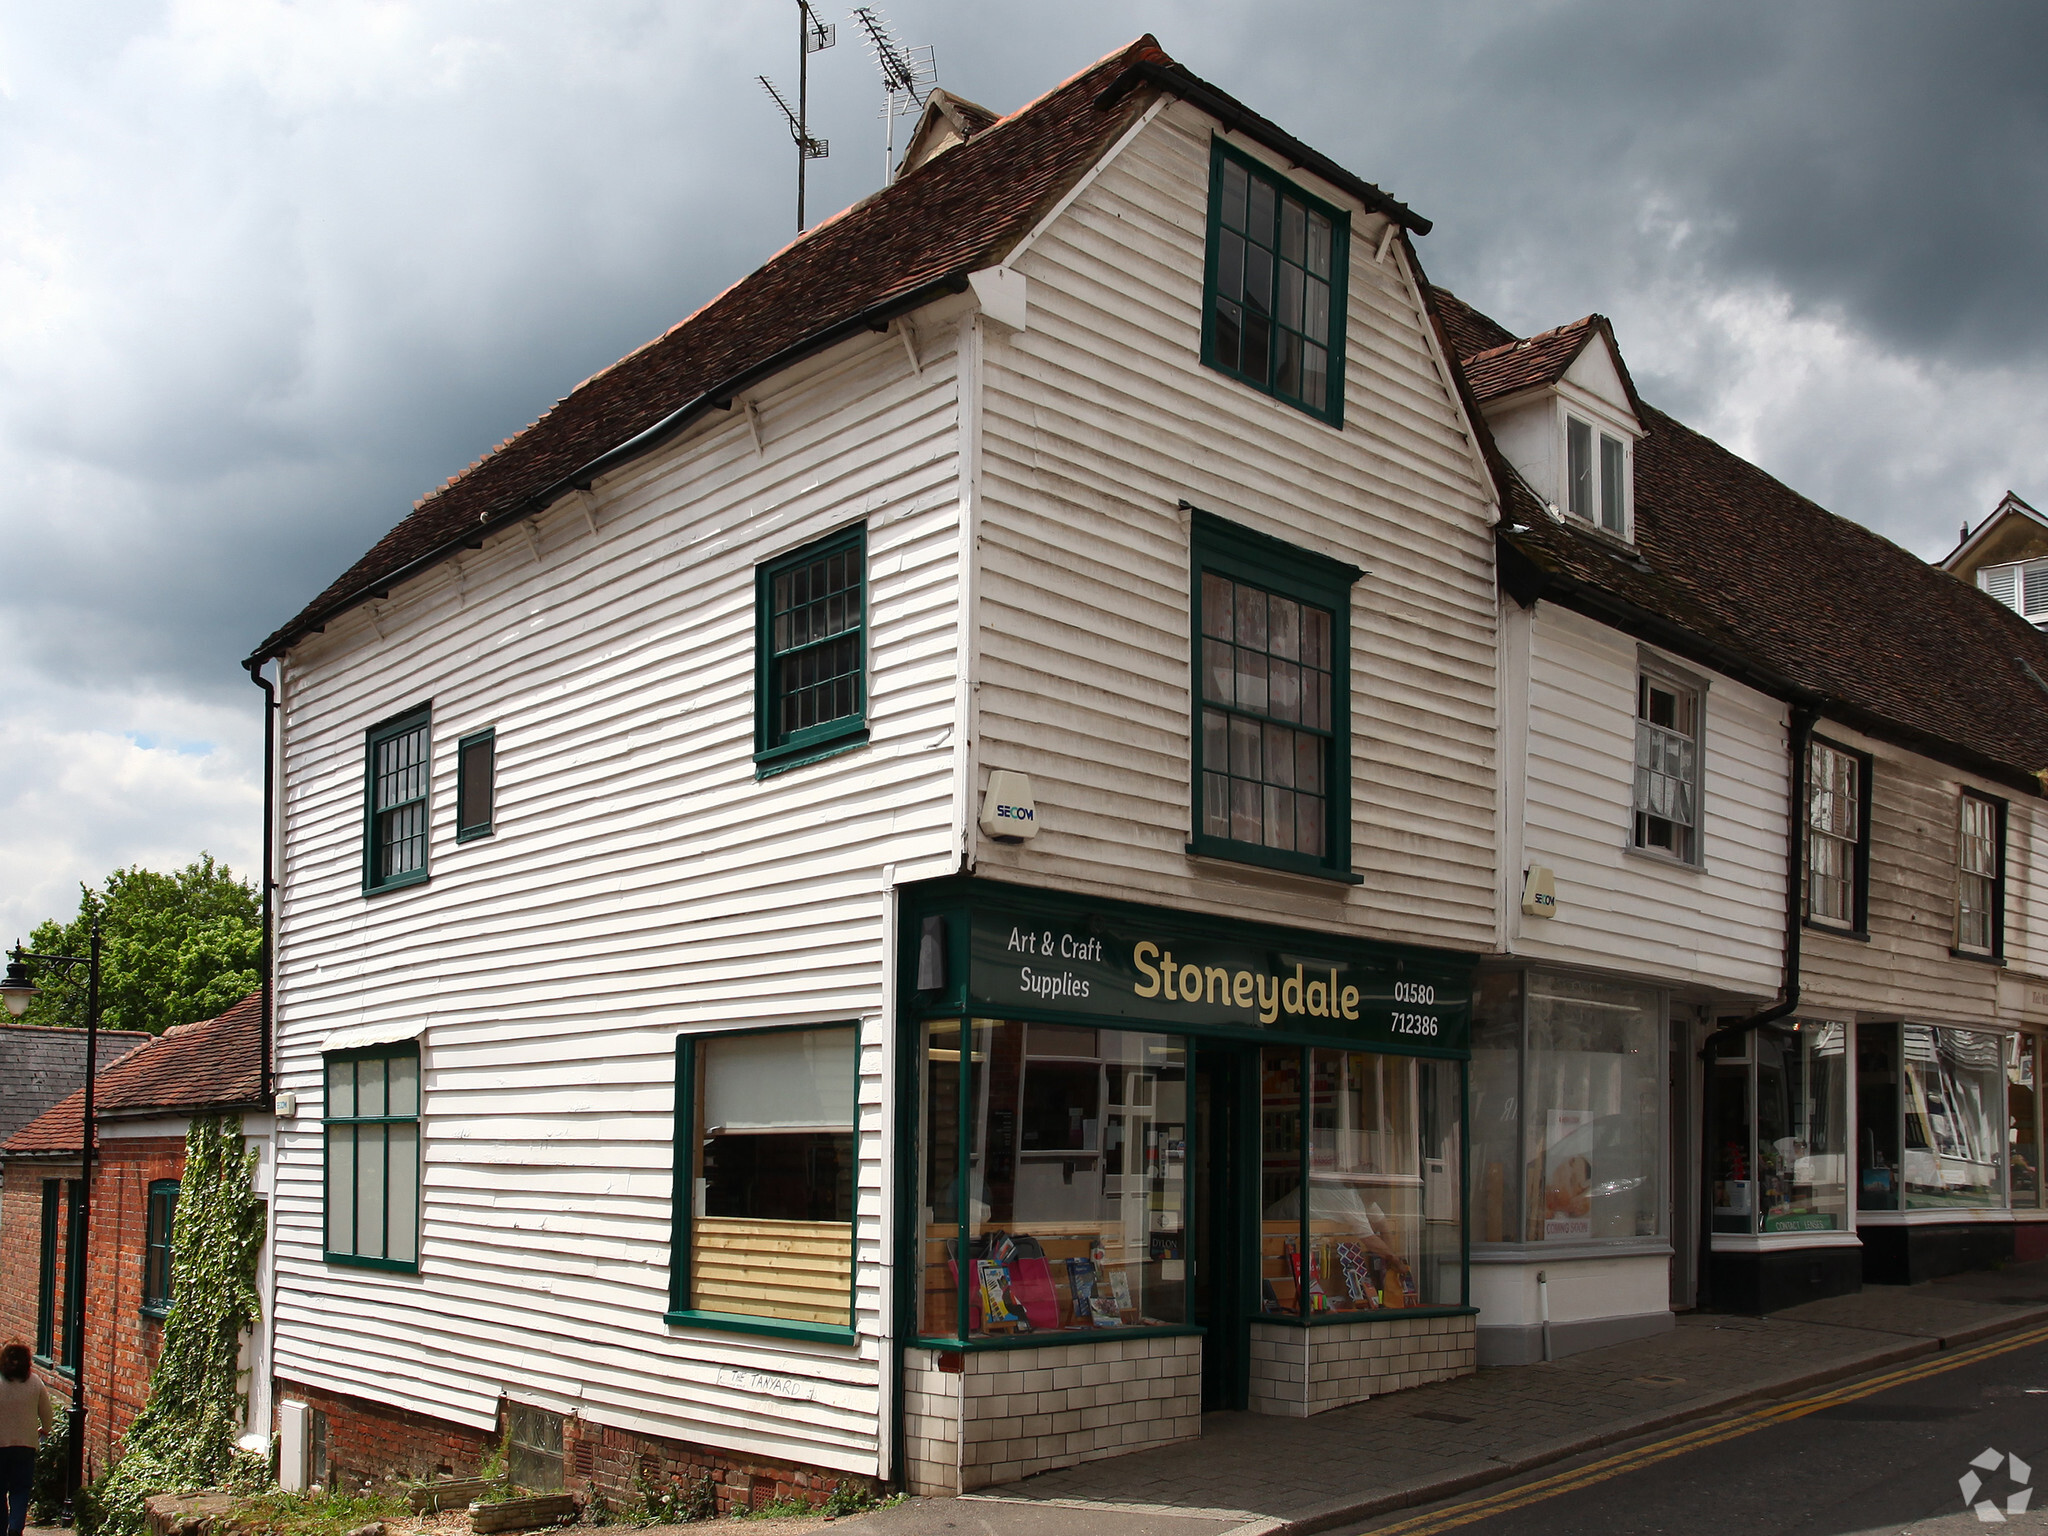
{"x": 268, "y": 272}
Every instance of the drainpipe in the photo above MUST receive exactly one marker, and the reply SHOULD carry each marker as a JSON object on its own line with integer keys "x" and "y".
{"x": 1800, "y": 751}
{"x": 264, "y": 967}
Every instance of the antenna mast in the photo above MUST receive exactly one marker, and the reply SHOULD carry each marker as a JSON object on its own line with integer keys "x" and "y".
{"x": 908, "y": 75}
{"x": 813, "y": 36}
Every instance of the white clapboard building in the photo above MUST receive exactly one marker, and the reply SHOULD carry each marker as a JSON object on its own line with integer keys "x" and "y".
{"x": 891, "y": 891}
{"x": 1081, "y": 802}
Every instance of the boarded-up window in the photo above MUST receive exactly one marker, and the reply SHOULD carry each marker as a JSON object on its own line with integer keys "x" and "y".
{"x": 770, "y": 1135}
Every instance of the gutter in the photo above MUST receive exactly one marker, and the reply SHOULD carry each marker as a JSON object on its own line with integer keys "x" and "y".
{"x": 1799, "y": 748}
{"x": 875, "y": 317}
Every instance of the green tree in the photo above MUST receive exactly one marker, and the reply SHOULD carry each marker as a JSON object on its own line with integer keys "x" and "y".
{"x": 175, "y": 948}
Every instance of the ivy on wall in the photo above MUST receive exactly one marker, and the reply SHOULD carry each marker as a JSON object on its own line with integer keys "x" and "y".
{"x": 184, "y": 1438}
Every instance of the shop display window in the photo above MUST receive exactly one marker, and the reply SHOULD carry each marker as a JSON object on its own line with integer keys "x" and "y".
{"x": 2023, "y": 1122}
{"x": 1781, "y": 1129}
{"x": 1055, "y": 1180}
{"x": 1951, "y": 1091}
{"x": 1496, "y": 1101}
{"x": 1374, "y": 1141}
{"x": 771, "y": 1137}
{"x": 1594, "y": 1110}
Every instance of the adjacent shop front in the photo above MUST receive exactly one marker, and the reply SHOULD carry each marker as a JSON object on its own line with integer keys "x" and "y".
{"x": 1163, "y": 1163}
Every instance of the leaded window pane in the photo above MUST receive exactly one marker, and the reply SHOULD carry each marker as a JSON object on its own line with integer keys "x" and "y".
{"x": 815, "y": 619}
{"x": 1270, "y": 284}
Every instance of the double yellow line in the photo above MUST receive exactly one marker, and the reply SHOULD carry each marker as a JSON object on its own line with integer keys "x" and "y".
{"x": 1698, "y": 1439}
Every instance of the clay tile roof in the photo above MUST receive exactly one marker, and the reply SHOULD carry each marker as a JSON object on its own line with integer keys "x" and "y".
{"x": 959, "y": 212}
{"x": 1533, "y": 362}
{"x": 211, "y": 1065}
{"x": 1802, "y": 602}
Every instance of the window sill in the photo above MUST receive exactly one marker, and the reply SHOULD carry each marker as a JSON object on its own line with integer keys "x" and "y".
{"x": 1976, "y": 956}
{"x": 1859, "y": 935}
{"x": 397, "y": 883}
{"x": 1667, "y": 860}
{"x": 781, "y": 759}
{"x": 1269, "y": 858}
{"x": 156, "y": 1312}
{"x": 1056, "y": 1339}
{"x": 363, "y": 1261}
{"x": 475, "y": 834}
{"x": 773, "y": 1327}
{"x": 1372, "y": 1315}
{"x": 1583, "y": 1248}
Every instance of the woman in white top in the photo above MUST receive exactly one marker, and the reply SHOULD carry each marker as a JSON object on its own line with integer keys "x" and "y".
{"x": 24, "y": 1420}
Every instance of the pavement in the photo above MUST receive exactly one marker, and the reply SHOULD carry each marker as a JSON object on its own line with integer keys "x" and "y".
{"x": 1259, "y": 1475}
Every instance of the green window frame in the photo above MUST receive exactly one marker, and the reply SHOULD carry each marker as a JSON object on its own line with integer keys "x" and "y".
{"x": 1268, "y": 717}
{"x": 371, "y": 1130}
{"x": 690, "y": 1238}
{"x": 476, "y": 785}
{"x": 1275, "y": 293}
{"x": 58, "y": 1333}
{"x": 398, "y": 771}
{"x": 156, "y": 1252}
{"x": 810, "y": 691}
{"x": 46, "y": 1273}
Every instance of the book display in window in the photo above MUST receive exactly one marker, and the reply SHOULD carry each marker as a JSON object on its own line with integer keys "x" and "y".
{"x": 1073, "y": 1210}
{"x": 1383, "y": 1227}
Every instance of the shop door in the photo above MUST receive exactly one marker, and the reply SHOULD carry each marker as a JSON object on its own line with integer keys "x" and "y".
{"x": 1223, "y": 1132}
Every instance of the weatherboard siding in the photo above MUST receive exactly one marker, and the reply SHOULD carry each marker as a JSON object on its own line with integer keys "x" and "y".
{"x": 1721, "y": 927}
{"x": 1098, "y": 420}
{"x": 1904, "y": 969}
{"x": 640, "y": 883}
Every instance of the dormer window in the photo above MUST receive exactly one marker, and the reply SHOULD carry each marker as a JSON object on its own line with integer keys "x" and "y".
{"x": 2022, "y": 587}
{"x": 1596, "y": 491}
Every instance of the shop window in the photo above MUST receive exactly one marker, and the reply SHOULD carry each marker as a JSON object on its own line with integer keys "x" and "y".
{"x": 1837, "y": 836}
{"x": 1980, "y": 875}
{"x": 811, "y": 682}
{"x": 1271, "y": 750}
{"x": 372, "y": 1126}
{"x": 1932, "y": 1117}
{"x": 1055, "y": 1180}
{"x": 397, "y": 771}
{"x": 1951, "y": 1093}
{"x": 156, "y": 1253}
{"x": 1568, "y": 1101}
{"x": 1667, "y": 768}
{"x": 476, "y": 776}
{"x": 768, "y": 1128}
{"x": 1374, "y": 1142}
{"x": 2023, "y": 1121}
{"x": 1781, "y": 1129}
{"x": 1274, "y": 309}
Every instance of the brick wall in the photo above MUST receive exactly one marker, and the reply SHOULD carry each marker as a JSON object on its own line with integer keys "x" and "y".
{"x": 370, "y": 1442}
{"x": 980, "y": 1417}
{"x": 121, "y": 1344}
{"x": 21, "y": 1219}
{"x": 1299, "y": 1371}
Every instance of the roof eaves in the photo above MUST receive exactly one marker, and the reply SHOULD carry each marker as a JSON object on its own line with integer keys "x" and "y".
{"x": 1234, "y": 114}
{"x": 875, "y": 317}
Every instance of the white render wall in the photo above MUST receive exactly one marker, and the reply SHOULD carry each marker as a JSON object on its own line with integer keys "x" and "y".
{"x": 1719, "y": 928}
{"x": 1098, "y": 420}
{"x": 641, "y": 883}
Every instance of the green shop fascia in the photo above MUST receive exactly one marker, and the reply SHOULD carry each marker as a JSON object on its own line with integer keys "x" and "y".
{"x": 1117, "y": 1117}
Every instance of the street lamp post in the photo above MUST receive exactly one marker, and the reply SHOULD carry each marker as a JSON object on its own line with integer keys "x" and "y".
{"x": 16, "y": 991}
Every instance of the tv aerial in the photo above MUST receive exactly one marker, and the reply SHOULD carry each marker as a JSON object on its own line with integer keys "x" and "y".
{"x": 814, "y": 36}
{"x": 908, "y": 75}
